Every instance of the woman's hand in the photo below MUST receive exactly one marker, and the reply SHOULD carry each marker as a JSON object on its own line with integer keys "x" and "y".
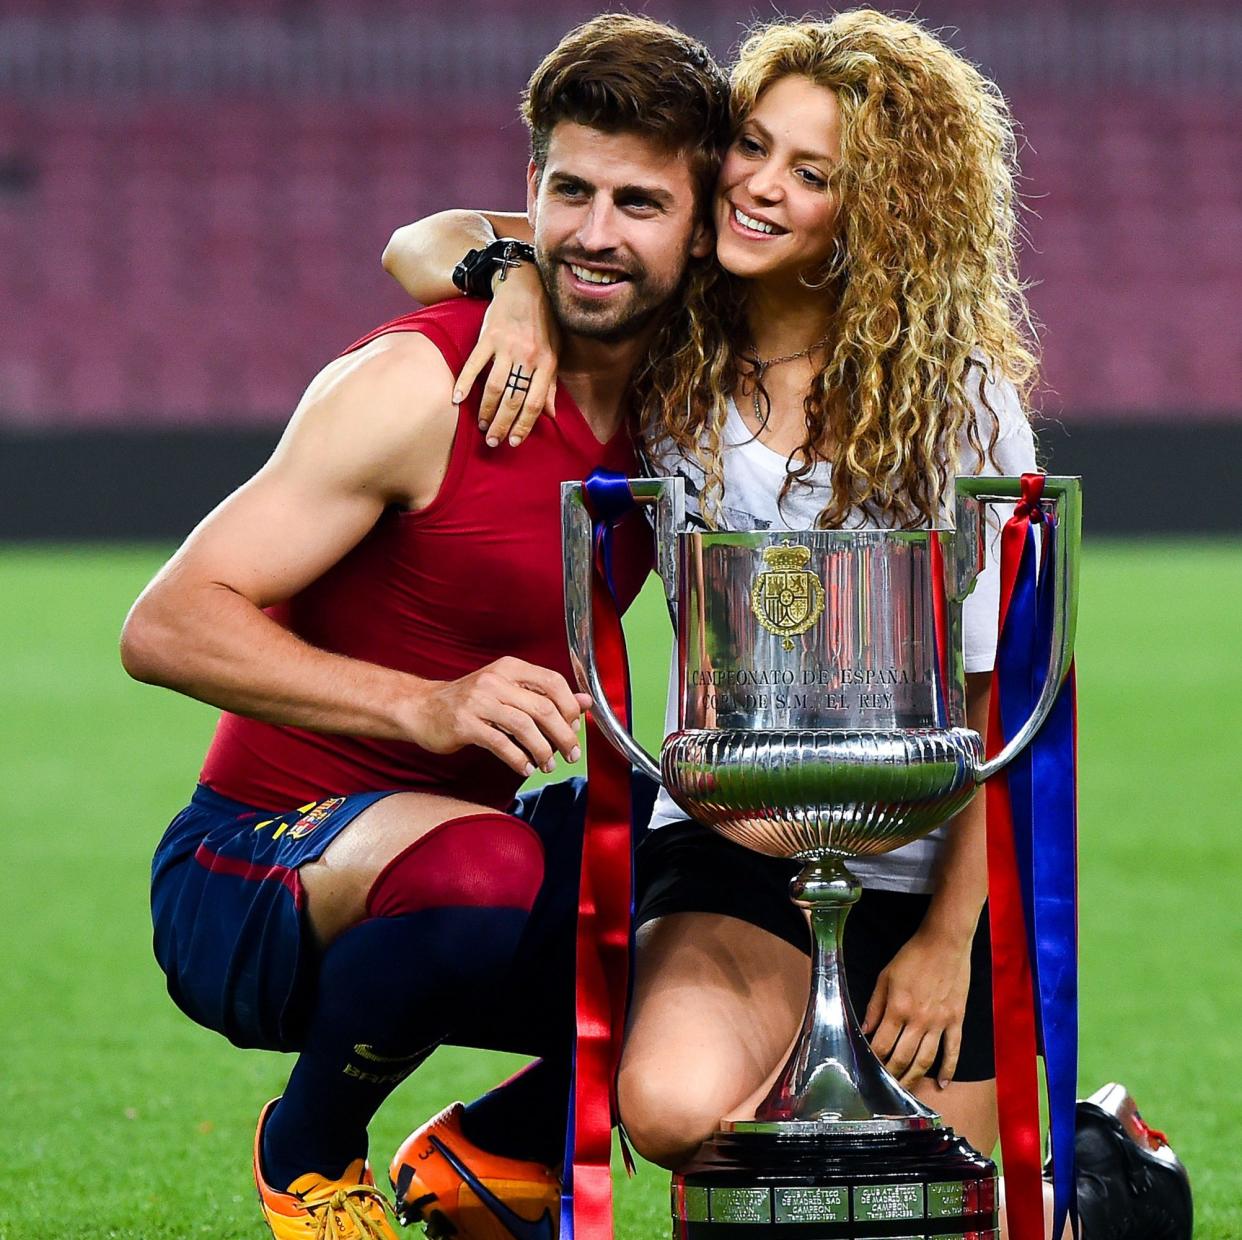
{"x": 520, "y": 339}
{"x": 918, "y": 1004}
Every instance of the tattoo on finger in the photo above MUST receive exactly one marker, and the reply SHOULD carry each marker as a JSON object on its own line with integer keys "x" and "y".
{"x": 518, "y": 383}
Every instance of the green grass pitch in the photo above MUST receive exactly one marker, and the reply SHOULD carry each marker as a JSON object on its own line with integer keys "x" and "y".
{"x": 121, "y": 1119}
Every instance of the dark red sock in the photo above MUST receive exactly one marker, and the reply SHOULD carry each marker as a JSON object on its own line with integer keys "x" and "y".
{"x": 446, "y": 918}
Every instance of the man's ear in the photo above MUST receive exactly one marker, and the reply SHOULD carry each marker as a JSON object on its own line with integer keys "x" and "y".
{"x": 703, "y": 241}
{"x": 532, "y": 191}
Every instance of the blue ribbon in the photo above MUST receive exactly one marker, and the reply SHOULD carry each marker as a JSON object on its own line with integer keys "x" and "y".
{"x": 1055, "y": 872}
{"x": 1043, "y": 795}
{"x": 608, "y": 499}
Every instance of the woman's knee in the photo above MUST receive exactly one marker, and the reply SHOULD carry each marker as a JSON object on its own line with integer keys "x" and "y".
{"x": 667, "y": 1115}
{"x": 715, "y": 1004}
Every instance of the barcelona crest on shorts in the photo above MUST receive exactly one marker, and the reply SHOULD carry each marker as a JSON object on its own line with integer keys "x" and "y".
{"x": 314, "y": 816}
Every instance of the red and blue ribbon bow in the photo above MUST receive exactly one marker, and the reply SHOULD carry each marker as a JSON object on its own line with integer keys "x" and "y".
{"x": 605, "y": 900}
{"x": 1033, "y": 881}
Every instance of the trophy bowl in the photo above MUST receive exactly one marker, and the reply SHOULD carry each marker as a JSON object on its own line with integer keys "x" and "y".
{"x": 821, "y": 715}
{"x": 821, "y": 793}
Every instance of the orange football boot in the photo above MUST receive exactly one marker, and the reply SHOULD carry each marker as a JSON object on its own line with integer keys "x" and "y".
{"x": 316, "y": 1208}
{"x": 458, "y": 1190}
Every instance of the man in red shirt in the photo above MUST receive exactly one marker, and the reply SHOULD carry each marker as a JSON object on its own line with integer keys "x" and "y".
{"x": 347, "y": 881}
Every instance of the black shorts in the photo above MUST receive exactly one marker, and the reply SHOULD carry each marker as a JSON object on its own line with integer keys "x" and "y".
{"x": 686, "y": 868}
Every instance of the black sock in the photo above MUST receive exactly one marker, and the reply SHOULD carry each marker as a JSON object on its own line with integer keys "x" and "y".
{"x": 387, "y": 993}
{"x": 524, "y": 1117}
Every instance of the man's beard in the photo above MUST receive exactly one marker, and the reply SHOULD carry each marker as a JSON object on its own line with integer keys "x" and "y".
{"x": 640, "y": 306}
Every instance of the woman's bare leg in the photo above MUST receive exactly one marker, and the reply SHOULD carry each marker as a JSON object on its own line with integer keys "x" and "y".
{"x": 968, "y": 1107}
{"x": 716, "y": 1004}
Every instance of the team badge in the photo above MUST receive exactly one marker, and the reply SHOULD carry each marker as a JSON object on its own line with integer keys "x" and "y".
{"x": 787, "y": 598}
{"x": 309, "y": 821}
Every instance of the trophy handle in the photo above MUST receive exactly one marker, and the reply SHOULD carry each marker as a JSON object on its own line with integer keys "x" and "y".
{"x": 1066, "y": 494}
{"x": 667, "y": 496}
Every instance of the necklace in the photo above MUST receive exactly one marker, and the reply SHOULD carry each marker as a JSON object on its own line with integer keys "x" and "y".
{"x": 762, "y": 367}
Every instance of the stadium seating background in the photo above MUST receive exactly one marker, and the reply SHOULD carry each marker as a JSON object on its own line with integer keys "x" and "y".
{"x": 194, "y": 194}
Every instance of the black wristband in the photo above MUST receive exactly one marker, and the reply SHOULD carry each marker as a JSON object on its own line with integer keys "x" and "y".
{"x": 473, "y": 275}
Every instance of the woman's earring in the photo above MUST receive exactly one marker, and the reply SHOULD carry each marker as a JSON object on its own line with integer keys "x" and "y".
{"x": 832, "y": 269}
{"x": 836, "y": 260}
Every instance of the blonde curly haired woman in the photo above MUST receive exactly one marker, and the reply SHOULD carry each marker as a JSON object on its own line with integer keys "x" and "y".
{"x": 861, "y": 340}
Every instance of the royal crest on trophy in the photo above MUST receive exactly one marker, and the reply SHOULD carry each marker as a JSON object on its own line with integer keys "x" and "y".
{"x": 787, "y": 597}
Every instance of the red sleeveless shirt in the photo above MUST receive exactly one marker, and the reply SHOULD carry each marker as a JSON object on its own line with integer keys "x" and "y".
{"x": 440, "y": 593}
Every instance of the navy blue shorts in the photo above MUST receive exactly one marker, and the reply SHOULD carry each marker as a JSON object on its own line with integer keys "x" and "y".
{"x": 230, "y": 935}
{"x": 226, "y": 903}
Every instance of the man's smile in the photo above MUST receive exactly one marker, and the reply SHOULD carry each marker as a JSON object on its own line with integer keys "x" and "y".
{"x": 592, "y": 280}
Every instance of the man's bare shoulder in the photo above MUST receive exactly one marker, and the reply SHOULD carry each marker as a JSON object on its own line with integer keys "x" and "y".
{"x": 382, "y": 414}
{"x": 399, "y": 368}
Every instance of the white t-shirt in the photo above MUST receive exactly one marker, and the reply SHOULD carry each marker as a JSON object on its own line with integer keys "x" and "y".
{"x": 753, "y": 477}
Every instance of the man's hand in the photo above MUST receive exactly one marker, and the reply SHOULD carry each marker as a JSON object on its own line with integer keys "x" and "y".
{"x": 522, "y": 713}
{"x": 919, "y": 1001}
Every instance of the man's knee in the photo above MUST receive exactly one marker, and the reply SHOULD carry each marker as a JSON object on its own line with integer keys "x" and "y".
{"x": 486, "y": 860}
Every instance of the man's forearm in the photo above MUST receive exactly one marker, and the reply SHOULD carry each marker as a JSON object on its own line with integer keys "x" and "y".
{"x": 221, "y": 649}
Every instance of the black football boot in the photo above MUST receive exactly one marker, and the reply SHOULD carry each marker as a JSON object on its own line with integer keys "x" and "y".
{"x": 1131, "y": 1185}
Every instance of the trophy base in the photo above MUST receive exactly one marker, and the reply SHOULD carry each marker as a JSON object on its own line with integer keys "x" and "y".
{"x": 830, "y": 1128}
{"x": 926, "y": 1184}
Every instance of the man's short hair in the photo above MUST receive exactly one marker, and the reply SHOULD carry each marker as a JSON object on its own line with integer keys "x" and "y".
{"x": 625, "y": 74}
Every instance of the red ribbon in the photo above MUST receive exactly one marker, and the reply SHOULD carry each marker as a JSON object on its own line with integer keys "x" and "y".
{"x": 940, "y": 621}
{"x": 1013, "y": 1003}
{"x": 603, "y": 942}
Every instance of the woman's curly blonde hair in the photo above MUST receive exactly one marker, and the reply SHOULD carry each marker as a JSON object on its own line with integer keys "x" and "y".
{"x": 923, "y": 279}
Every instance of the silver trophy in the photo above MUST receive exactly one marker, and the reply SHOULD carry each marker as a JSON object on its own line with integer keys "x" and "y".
{"x": 821, "y": 716}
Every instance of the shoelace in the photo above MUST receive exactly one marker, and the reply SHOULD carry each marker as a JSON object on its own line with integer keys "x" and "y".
{"x": 1154, "y": 1136}
{"x": 352, "y": 1203}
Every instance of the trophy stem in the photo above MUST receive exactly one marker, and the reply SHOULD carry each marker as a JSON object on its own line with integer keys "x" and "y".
{"x": 832, "y": 1078}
